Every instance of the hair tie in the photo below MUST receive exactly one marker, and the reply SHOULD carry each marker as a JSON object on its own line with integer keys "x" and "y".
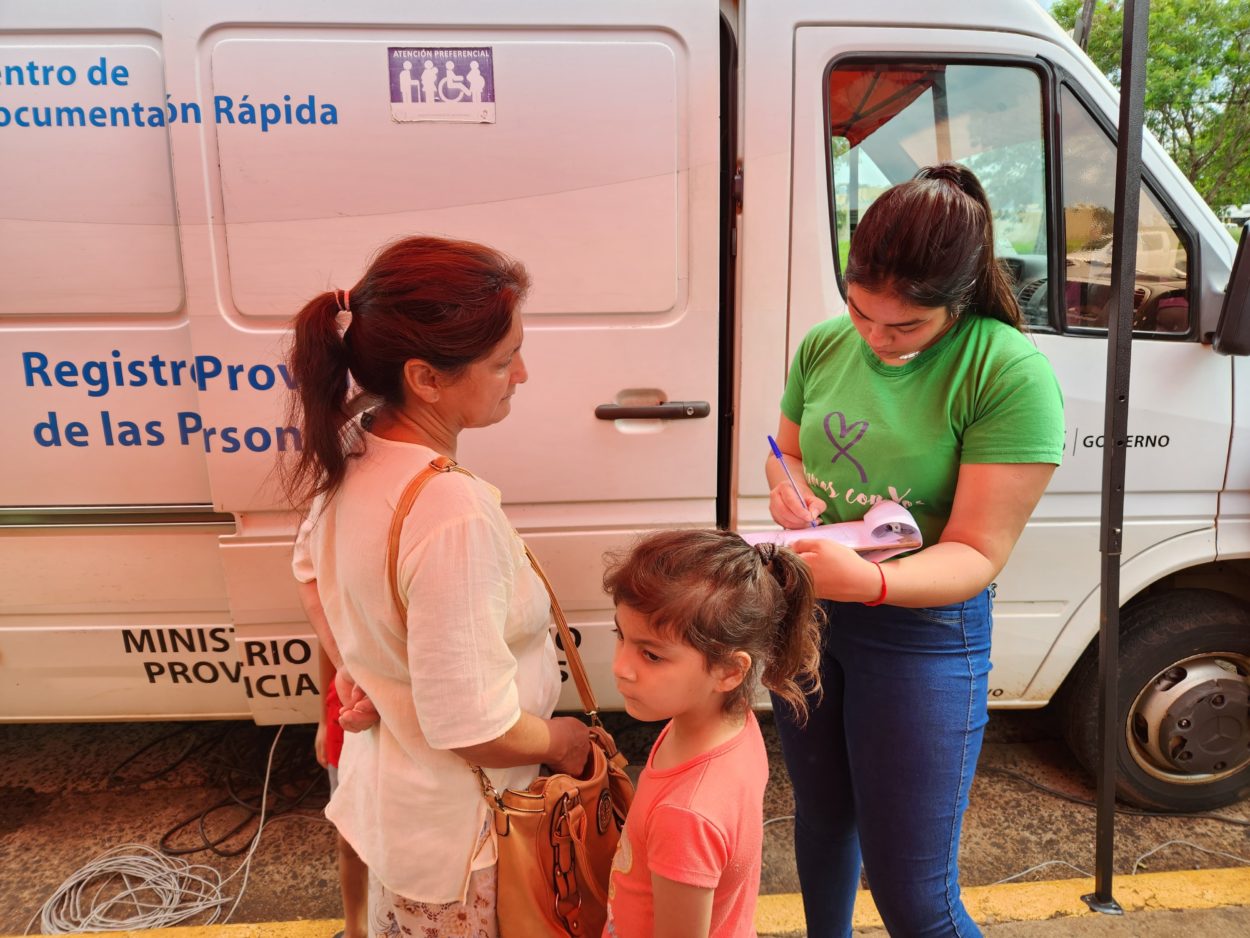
{"x": 343, "y": 318}
{"x": 767, "y": 552}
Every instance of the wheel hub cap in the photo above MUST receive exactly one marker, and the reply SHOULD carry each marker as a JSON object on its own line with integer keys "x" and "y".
{"x": 1192, "y": 722}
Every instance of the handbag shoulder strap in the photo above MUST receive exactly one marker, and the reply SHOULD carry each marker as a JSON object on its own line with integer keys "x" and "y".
{"x": 443, "y": 464}
{"x": 437, "y": 466}
{"x": 571, "y": 654}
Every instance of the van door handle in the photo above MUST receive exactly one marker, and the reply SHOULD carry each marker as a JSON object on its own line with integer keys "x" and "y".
{"x": 670, "y": 410}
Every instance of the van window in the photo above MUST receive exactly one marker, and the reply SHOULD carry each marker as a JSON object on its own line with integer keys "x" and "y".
{"x": 886, "y": 121}
{"x": 1161, "y": 290}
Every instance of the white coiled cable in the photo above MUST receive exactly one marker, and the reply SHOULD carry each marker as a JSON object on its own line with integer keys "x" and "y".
{"x": 132, "y": 887}
{"x": 135, "y": 887}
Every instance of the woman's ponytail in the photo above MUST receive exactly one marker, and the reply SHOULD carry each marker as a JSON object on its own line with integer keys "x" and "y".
{"x": 992, "y": 294}
{"x": 792, "y": 671}
{"x": 930, "y": 241}
{"x": 318, "y": 361}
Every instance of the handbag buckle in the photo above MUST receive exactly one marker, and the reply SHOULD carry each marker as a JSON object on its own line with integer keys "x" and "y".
{"x": 561, "y": 831}
{"x": 564, "y": 876}
{"x": 488, "y": 789}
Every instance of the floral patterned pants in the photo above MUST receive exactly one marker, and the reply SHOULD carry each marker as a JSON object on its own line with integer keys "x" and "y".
{"x": 393, "y": 916}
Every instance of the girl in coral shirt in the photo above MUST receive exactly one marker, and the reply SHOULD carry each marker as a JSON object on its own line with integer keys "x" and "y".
{"x": 702, "y": 618}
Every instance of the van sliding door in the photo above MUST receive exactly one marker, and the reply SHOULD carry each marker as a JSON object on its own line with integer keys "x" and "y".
{"x": 590, "y": 153}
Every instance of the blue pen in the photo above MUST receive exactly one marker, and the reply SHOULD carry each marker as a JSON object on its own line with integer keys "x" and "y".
{"x": 786, "y": 470}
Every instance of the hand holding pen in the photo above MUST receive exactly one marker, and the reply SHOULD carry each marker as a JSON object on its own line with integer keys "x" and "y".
{"x": 779, "y": 501}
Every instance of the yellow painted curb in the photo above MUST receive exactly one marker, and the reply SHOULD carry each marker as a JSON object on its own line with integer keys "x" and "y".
{"x": 1186, "y": 889}
{"x": 783, "y": 914}
{"x": 1033, "y": 902}
{"x": 1026, "y": 902}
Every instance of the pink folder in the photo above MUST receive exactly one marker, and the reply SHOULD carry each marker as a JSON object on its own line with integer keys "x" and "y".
{"x": 886, "y": 530}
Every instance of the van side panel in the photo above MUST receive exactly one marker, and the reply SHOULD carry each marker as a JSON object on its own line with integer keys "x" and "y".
{"x": 111, "y": 587}
{"x": 85, "y": 176}
{"x": 192, "y": 174}
{"x": 120, "y": 622}
{"x": 96, "y": 362}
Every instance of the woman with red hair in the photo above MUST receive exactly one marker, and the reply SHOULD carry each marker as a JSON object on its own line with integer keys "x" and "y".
{"x": 389, "y": 374}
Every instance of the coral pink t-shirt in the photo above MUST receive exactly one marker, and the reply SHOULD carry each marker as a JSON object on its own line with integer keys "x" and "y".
{"x": 700, "y": 823}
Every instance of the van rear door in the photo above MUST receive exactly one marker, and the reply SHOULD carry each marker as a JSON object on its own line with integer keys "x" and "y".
{"x": 109, "y": 562}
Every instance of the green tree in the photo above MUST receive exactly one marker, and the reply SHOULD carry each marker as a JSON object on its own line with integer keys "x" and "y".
{"x": 1197, "y": 84}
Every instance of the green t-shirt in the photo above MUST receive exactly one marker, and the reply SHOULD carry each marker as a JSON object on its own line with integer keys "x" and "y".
{"x": 869, "y": 431}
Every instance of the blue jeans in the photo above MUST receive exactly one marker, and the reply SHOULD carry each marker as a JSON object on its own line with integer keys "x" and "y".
{"x": 883, "y": 767}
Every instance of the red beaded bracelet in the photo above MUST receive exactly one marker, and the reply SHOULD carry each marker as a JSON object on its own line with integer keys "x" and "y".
{"x": 880, "y": 599}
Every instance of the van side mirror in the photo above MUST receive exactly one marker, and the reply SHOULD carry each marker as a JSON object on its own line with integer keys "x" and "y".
{"x": 1232, "y": 335}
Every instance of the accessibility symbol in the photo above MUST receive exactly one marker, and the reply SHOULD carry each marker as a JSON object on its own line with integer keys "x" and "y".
{"x": 442, "y": 84}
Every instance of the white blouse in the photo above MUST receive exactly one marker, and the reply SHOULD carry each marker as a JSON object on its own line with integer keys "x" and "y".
{"x": 474, "y": 653}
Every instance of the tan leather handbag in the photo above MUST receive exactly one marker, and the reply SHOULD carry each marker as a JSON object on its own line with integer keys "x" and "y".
{"x": 556, "y": 838}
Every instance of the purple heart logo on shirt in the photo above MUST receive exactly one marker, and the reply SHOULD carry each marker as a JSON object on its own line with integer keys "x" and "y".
{"x": 846, "y": 437}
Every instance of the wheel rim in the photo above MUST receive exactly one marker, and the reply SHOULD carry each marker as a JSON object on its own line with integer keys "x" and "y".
{"x": 1190, "y": 723}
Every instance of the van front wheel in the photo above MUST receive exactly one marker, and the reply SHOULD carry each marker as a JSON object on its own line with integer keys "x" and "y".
{"x": 1183, "y": 742}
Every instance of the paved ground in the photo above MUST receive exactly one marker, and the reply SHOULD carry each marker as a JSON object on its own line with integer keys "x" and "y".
{"x": 69, "y": 792}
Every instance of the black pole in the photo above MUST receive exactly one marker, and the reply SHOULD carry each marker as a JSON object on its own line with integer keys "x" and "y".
{"x": 1115, "y": 432}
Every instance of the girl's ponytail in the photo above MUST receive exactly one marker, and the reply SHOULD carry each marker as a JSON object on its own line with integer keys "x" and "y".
{"x": 318, "y": 360}
{"x": 792, "y": 671}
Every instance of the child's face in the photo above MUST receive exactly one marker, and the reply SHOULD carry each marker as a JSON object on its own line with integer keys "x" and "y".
{"x": 662, "y": 678}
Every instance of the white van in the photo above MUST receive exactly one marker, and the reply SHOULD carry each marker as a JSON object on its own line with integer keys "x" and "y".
{"x": 681, "y": 179}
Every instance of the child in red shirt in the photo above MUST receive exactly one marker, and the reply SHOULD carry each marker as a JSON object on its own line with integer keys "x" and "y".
{"x": 328, "y": 745}
{"x": 702, "y": 618}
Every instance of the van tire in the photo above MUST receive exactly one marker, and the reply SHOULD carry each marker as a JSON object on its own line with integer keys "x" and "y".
{"x": 1184, "y": 663}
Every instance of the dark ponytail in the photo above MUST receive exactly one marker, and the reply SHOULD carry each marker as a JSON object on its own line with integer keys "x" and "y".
{"x": 930, "y": 241}
{"x": 318, "y": 364}
{"x": 792, "y": 670}
{"x": 718, "y": 594}
{"x": 447, "y": 303}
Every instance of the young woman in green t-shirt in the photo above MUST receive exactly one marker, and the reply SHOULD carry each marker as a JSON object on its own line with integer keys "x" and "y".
{"x": 930, "y": 394}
